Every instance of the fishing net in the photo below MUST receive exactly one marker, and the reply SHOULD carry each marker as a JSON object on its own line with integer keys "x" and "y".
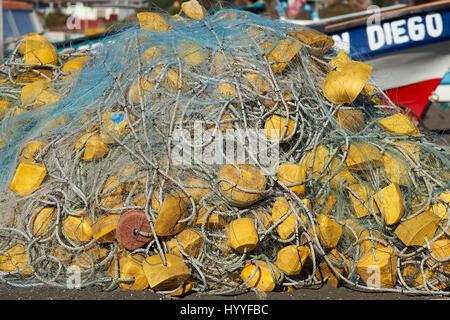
{"x": 116, "y": 172}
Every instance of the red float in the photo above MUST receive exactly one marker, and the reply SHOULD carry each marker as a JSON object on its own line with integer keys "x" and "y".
{"x": 129, "y": 228}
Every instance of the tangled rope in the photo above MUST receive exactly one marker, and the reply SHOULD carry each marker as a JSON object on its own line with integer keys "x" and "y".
{"x": 143, "y": 94}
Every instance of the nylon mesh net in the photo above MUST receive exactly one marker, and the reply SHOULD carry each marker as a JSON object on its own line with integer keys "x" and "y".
{"x": 105, "y": 173}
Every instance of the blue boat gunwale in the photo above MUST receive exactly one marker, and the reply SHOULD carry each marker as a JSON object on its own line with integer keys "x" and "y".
{"x": 340, "y": 25}
{"x": 357, "y": 28}
{"x": 60, "y": 45}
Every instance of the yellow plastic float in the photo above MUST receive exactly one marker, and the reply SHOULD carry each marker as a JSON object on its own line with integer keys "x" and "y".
{"x": 396, "y": 169}
{"x": 39, "y": 93}
{"x": 153, "y": 53}
{"x": 343, "y": 177}
{"x": 95, "y": 148}
{"x": 91, "y": 255}
{"x": 279, "y": 128}
{"x": 242, "y": 235}
{"x": 32, "y": 149}
{"x": 153, "y": 22}
{"x": 28, "y": 177}
{"x": 362, "y": 156}
{"x": 361, "y": 206}
{"x": 63, "y": 254}
{"x": 34, "y": 75}
{"x": 350, "y": 119}
{"x": 389, "y": 201}
{"x": 42, "y": 220}
{"x": 4, "y": 105}
{"x": 378, "y": 269}
{"x": 56, "y": 122}
{"x": 187, "y": 287}
{"x": 283, "y": 53}
{"x": 146, "y": 87}
{"x": 225, "y": 90}
{"x": 255, "y": 80}
{"x": 78, "y": 228}
{"x": 440, "y": 208}
{"x": 319, "y": 41}
{"x": 346, "y": 83}
{"x": 290, "y": 173}
{"x": 113, "y": 194}
{"x": 38, "y": 51}
{"x": 199, "y": 189}
{"x": 190, "y": 52}
{"x": 194, "y": 10}
{"x": 74, "y": 65}
{"x": 116, "y": 124}
{"x": 400, "y": 125}
{"x": 412, "y": 232}
{"x": 325, "y": 271}
{"x": 29, "y": 36}
{"x": 104, "y": 228}
{"x": 15, "y": 259}
{"x": 414, "y": 277}
{"x": 190, "y": 241}
{"x": 291, "y": 259}
{"x": 165, "y": 277}
{"x": 440, "y": 249}
{"x": 264, "y": 217}
{"x": 131, "y": 269}
{"x": 371, "y": 242}
{"x": 262, "y": 279}
{"x": 328, "y": 204}
{"x": 153, "y": 203}
{"x": 170, "y": 80}
{"x": 248, "y": 177}
{"x": 214, "y": 220}
{"x": 328, "y": 231}
{"x": 317, "y": 165}
{"x": 287, "y": 227}
{"x": 172, "y": 210}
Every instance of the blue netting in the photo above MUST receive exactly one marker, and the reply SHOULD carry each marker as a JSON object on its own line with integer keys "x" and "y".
{"x": 122, "y": 53}
{"x": 199, "y": 73}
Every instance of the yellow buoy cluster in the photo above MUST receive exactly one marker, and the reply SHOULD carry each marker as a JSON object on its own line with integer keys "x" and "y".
{"x": 139, "y": 195}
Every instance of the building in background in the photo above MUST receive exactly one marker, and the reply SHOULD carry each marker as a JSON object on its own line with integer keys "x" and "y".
{"x": 19, "y": 18}
{"x": 88, "y": 14}
{"x": 65, "y": 19}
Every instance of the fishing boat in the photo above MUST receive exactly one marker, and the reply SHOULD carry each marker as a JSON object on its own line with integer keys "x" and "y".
{"x": 18, "y": 18}
{"x": 442, "y": 93}
{"x": 409, "y": 48}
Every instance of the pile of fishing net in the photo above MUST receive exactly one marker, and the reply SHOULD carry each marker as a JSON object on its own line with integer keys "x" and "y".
{"x": 214, "y": 154}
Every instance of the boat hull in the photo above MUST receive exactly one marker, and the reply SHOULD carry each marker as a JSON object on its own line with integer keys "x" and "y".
{"x": 442, "y": 93}
{"x": 409, "y": 77}
{"x": 409, "y": 49}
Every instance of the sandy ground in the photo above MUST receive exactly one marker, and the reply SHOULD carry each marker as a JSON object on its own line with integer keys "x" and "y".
{"x": 436, "y": 118}
{"x": 322, "y": 293}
